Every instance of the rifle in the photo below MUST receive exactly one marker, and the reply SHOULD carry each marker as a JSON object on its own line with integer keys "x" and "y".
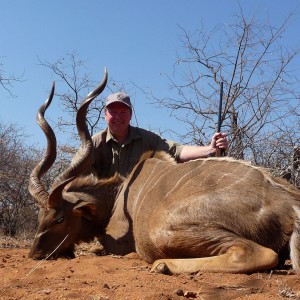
{"x": 220, "y": 115}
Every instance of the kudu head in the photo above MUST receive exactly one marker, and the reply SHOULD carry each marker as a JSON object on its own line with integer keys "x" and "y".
{"x": 61, "y": 214}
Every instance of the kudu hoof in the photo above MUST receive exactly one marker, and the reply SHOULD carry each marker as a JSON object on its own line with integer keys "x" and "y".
{"x": 98, "y": 250}
{"x": 161, "y": 268}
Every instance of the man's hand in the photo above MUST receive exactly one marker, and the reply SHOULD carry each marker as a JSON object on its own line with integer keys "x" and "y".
{"x": 219, "y": 143}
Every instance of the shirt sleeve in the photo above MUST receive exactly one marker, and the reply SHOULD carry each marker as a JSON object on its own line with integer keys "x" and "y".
{"x": 161, "y": 144}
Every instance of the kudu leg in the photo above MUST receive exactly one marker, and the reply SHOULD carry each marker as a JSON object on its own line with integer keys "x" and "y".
{"x": 237, "y": 259}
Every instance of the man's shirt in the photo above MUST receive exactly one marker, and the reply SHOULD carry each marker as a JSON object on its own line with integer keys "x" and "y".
{"x": 111, "y": 157}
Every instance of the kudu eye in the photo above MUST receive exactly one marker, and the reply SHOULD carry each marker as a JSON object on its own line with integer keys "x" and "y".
{"x": 59, "y": 220}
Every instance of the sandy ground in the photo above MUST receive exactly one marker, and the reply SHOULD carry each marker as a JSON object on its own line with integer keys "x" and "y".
{"x": 109, "y": 277}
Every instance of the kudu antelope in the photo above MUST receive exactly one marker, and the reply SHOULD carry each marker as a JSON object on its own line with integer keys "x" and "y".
{"x": 216, "y": 214}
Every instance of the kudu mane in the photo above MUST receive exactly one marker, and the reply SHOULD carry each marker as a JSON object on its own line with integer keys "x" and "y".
{"x": 90, "y": 183}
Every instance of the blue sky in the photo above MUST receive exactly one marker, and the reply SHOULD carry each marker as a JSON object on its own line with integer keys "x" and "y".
{"x": 136, "y": 40}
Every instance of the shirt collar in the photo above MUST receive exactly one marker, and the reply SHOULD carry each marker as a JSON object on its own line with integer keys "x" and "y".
{"x": 133, "y": 135}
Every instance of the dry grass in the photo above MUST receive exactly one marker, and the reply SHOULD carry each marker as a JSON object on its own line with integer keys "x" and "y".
{"x": 15, "y": 242}
{"x": 287, "y": 292}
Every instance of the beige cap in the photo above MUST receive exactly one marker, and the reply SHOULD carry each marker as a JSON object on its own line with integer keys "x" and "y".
{"x": 118, "y": 97}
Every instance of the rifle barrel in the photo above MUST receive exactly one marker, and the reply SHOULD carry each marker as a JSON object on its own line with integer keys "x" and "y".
{"x": 220, "y": 109}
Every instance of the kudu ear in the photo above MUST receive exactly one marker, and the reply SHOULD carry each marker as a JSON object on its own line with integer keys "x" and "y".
{"x": 55, "y": 194}
{"x": 86, "y": 210}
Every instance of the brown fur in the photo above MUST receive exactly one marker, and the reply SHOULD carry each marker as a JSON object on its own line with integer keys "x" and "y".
{"x": 217, "y": 214}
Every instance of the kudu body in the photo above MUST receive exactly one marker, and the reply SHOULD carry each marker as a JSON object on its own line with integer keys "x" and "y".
{"x": 216, "y": 214}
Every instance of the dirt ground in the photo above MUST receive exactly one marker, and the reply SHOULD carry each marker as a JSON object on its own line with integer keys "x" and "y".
{"x": 109, "y": 277}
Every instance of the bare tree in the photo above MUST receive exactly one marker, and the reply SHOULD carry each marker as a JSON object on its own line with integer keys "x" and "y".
{"x": 17, "y": 210}
{"x": 260, "y": 97}
{"x": 7, "y": 80}
{"x": 76, "y": 84}
{"x": 70, "y": 71}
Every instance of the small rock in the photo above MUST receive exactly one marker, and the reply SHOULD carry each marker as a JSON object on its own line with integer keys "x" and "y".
{"x": 179, "y": 292}
{"x": 47, "y": 292}
{"x": 105, "y": 286}
{"x": 190, "y": 295}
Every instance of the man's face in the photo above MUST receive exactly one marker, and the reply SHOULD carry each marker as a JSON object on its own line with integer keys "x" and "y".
{"x": 117, "y": 116}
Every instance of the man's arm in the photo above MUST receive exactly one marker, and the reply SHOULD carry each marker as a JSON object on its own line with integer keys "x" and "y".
{"x": 218, "y": 142}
